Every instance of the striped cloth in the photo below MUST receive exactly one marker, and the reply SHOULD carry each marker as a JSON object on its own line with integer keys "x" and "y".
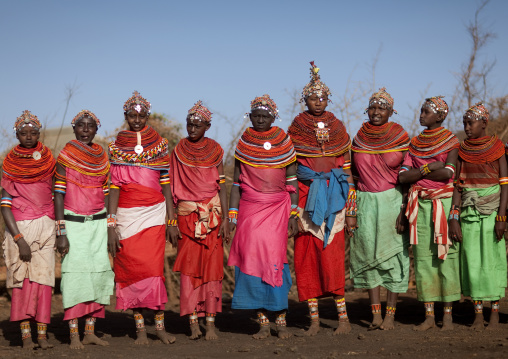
{"x": 438, "y": 215}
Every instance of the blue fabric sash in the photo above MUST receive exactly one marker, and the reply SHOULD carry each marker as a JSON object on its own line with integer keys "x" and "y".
{"x": 324, "y": 201}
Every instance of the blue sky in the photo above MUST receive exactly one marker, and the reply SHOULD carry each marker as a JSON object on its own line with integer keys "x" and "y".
{"x": 227, "y": 52}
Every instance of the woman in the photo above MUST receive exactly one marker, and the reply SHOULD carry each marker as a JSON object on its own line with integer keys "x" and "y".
{"x": 429, "y": 166}
{"x": 139, "y": 201}
{"x": 263, "y": 205}
{"x": 81, "y": 187}
{"x": 325, "y": 182}
{"x": 29, "y": 215}
{"x": 379, "y": 249}
{"x": 198, "y": 186}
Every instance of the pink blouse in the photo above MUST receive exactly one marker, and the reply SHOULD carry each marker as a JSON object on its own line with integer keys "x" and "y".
{"x": 377, "y": 172}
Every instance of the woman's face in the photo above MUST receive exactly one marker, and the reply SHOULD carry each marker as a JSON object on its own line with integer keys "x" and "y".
{"x": 196, "y": 129}
{"x": 261, "y": 120}
{"x": 429, "y": 118}
{"x": 28, "y": 136}
{"x": 316, "y": 105}
{"x": 85, "y": 130}
{"x": 474, "y": 128}
{"x": 136, "y": 120}
{"x": 379, "y": 114}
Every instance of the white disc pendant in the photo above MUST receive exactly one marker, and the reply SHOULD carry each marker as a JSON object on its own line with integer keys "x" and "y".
{"x": 36, "y": 155}
{"x": 267, "y": 145}
{"x": 138, "y": 149}
{"x": 320, "y": 125}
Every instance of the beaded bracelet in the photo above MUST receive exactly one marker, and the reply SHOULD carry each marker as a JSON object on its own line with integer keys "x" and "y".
{"x": 451, "y": 167}
{"x": 351, "y": 203}
{"x": 6, "y": 202}
{"x": 294, "y": 213}
{"x": 233, "y": 215}
{"x": 503, "y": 181}
{"x": 424, "y": 170}
{"x": 403, "y": 169}
{"x": 18, "y": 236}
{"x": 500, "y": 218}
{"x": 222, "y": 179}
{"x": 172, "y": 222}
{"x": 454, "y": 214}
{"x": 111, "y": 219}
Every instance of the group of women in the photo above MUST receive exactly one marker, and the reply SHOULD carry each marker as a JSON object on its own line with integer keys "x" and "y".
{"x": 387, "y": 192}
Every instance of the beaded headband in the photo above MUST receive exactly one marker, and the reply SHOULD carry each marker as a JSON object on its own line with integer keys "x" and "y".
{"x": 315, "y": 86}
{"x": 478, "y": 112}
{"x": 265, "y": 103}
{"x": 26, "y": 119}
{"x": 138, "y": 103}
{"x": 437, "y": 105}
{"x": 85, "y": 113}
{"x": 199, "y": 112}
{"x": 382, "y": 98}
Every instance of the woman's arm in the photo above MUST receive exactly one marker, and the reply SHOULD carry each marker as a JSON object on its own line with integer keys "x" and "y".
{"x": 62, "y": 243}
{"x": 25, "y": 254}
{"x": 350, "y": 220}
{"x": 501, "y": 225}
{"x": 292, "y": 181}
{"x": 438, "y": 172}
{"x": 234, "y": 197}
{"x": 224, "y": 227}
{"x": 172, "y": 232}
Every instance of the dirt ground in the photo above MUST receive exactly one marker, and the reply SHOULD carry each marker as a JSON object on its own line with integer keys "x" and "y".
{"x": 236, "y": 328}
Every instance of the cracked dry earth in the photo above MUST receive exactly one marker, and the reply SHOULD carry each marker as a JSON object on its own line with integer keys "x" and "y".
{"x": 235, "y": 329}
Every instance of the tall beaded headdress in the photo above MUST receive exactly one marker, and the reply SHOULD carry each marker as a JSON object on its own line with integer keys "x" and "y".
{"x": 315, "y": 86}
{"x": 199, "y": 112}
{"x": 437, "y": 105}
{"x": 137, "y": 103}
{"x": 27, "y": 119}
{"x": 85, "y": 113}
{"x": 382, "y": 98}
{"x": 265, "y": 103}
{"x": 478, "y": 112}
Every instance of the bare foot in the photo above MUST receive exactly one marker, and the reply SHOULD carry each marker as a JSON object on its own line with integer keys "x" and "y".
{"x": 165, "y": 337}
{"x": 264, "y": 332}
{"x": 313, "y": 329}
{"x": 195, "y": 331}
{"x": 28, "y": 343}
{"x": 44, "y": 344}
{"x": 343, "y": 328}
{"x": 494, "y": 321}
{"x": 283, "y": 332}
{"x": 478, "y": 322}
{"x": 211, "y": 334}
{"x": 377, "y": 320}
{"x": 388, "y": 323}
{"x": 447, "y": 322}
{"x": 76, "y": 343}
{"x": 92, "y": 339}
{"x": 141, "y": 338}
{"x": 428, "y": 323}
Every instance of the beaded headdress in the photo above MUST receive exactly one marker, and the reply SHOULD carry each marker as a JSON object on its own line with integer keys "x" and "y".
{"x": 382, "y": 98}
{"x": 137, "y": 103}
{"x": 265, "y": 103}
{"x": 315, "y": 86}
{"x": 199, "y": 112}
{"x": 478, "y": 112}
{"x": 85, "y": 113}
{"x": 437, "y": 105}
{"x": 27, "y": 119}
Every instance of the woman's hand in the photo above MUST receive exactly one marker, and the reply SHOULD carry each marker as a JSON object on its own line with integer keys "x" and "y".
{"x": 437, "y": 165}
{"x": 351, "y": 226}
{"x": 232, "y": 230}
{"x": 500, "y": 228}
{"x": 454, "y": 231}
{"x": 173, "y": 235}
{"x": 25, "y": 253}
{"x": 401, "y": 223}
{"x": 62, "y": 245}
{"x": 224, "y": 230}
{"x": 113, "y": 242}
{"x": 292, "y": 226}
